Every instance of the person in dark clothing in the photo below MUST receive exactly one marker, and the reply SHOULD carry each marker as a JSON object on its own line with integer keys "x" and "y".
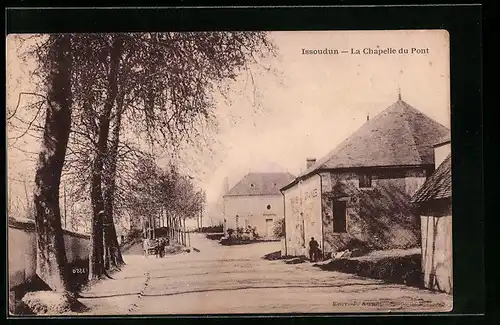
{"x": 163, "y": 243}
{"x": 313, "y": 250}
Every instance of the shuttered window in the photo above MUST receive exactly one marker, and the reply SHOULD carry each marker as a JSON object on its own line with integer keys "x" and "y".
{"x": 365, "y": 181}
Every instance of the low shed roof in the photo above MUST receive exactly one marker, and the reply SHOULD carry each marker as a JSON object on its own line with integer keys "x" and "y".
{"x": 437, "y": 186}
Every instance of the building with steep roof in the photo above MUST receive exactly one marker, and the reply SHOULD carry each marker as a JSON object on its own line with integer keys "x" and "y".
{"x": 433, "y": 203}
{"x": 256, "y": 201}
{"x": 359, "y": 194}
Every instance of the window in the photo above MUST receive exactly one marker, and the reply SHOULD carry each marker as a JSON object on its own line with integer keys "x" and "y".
{"x": 339, "y": 217}
{"x": 268, "y": 207}
{"x": 365, "y": 181}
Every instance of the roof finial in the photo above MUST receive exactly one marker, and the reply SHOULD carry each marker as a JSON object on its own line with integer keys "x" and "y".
{"x": 399, "y": 93}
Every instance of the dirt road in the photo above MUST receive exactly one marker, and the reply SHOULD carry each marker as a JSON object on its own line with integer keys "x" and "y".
{"x": 227, "y": 280}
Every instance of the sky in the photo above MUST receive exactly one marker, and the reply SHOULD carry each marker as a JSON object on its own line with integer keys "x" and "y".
{"x": 304, "y": 107}
{"x": 319, "y": 100}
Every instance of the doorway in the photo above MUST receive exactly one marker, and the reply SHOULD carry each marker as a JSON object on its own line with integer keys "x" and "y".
{"x": 339, "y": 217}
{"x": 269, "y": 227}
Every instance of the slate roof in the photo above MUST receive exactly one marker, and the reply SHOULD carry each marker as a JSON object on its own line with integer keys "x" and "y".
{"x": 443, "y": 140}
{"x": 437, "y": 186}
{"x": 261, "y": 184}
{"x": 398, "y": 136}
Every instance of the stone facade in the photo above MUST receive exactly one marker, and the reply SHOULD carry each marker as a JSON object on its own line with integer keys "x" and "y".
{"x": 378, "y": 216}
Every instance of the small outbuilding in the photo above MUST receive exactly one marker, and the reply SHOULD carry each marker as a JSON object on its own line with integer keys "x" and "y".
{"x": 433, "y": 203}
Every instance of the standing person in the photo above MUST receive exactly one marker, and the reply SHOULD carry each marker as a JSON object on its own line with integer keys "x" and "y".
{"x": 313, "y": 249}
{"x": 162, "y": 247}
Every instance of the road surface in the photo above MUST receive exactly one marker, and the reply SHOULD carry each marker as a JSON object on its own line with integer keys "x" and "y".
{"x": 235, "y": 279}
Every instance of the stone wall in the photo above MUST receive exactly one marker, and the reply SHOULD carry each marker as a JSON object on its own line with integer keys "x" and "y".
{"x": 379, "y": 217}
{"x": 22, "y": 251}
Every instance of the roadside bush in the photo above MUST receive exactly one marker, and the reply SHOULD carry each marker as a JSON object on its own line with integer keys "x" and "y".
{"x": 252, "y": 231}
{"x": 240, "y": 236}
{"x": 279, "y": 228}
{"x": 403, "y": 269}
{"x": 218, "y": 228}
{"x": 246, "y": 236}
{"x": 214, "y": 236}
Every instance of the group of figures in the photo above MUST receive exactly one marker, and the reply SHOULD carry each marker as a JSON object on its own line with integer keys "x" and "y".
{"x": 155, "y": 246}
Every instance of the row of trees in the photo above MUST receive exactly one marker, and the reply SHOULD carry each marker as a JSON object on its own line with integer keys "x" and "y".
{"x": 163, "y": 197}
{"x": 103, "y": 96}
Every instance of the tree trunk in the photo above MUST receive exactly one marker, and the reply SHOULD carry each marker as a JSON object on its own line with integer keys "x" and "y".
{"x": 51, "y": 261}
{"x": 176, "y": 230}
{"x": 96, "y": 268}
{"x": 115, "y": 255}
{"x": 179, "y": 230}
{"x": 184, "y": 232}
{"x": 171, "y": 225}
{"x": 106, "y": 249}
{"x": 176, "y": 227}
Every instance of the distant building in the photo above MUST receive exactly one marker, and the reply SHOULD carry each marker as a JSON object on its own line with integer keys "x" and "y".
{"x": 359, "y": 194}
{"x": 126, "y": 226}
{"x": 433, "y": 201}
{"x": 256, "y": 201}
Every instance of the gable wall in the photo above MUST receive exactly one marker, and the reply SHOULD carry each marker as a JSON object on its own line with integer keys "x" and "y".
{"x": 253, "y": 210}
{"x": 303, "y": 215}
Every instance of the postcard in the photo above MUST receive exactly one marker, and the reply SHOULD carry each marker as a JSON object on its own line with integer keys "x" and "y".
{"x": 214, "y": 173}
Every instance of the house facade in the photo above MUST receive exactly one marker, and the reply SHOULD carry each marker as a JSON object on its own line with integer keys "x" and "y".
{"x": 433, "y": 203}
{"x": 358, "y": 195}
{"x": 127, "y": 225}
{"x": 256, "y": 201}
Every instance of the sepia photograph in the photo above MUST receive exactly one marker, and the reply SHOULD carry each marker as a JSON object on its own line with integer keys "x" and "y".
{"x": 231, "y": 172}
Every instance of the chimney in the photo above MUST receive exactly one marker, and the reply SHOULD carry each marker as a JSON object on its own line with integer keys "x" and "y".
{"x": 310, "y": 162}
{"x": 226, "y": 185}
{"x": 367, "y": 117}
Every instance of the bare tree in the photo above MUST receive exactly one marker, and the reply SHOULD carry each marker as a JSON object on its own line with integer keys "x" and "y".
{"x": 164, "y": 83}
{"x": 51, "y": 263}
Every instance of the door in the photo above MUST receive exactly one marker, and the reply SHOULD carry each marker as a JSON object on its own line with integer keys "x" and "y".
{"x": 269, "y": 227}
{"x": 339, "y": 217}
